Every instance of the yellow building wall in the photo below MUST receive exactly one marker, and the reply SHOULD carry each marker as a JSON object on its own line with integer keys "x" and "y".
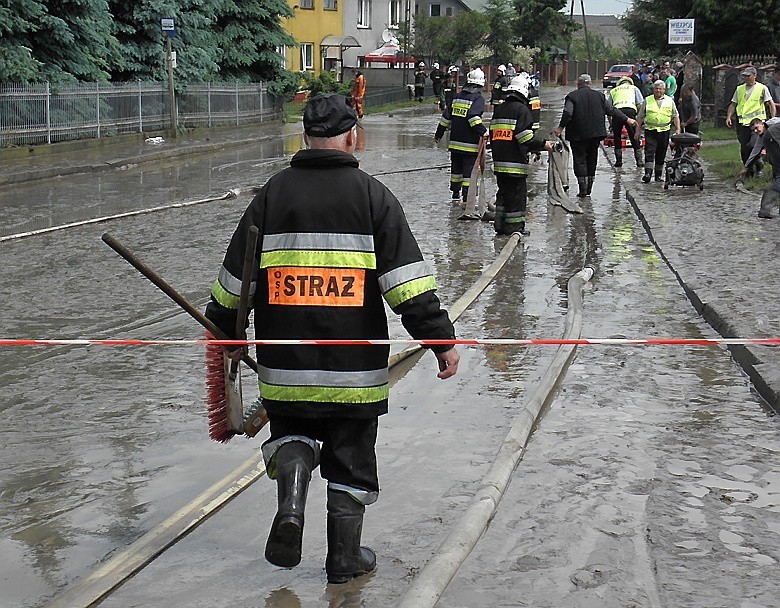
{"x": 311, "y": 26}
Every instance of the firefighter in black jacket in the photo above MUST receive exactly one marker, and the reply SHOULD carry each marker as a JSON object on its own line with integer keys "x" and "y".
{"x": 464, "y": 119}
{"x": 333, "y": 243}
{"x": 511, "y": 139}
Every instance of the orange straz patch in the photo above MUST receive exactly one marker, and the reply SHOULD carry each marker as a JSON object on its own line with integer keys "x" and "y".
{"x": 536, "y": 104}
{"x": 301, "y": 286}
{"x": 502, "y": 134}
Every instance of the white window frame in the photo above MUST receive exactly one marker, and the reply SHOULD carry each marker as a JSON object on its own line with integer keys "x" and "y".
{"x": 364, "y": 14}
{"x": 304, "y": 47}
{"x": 282, "y": 50}
{"x": 394, "y": 20}
{"x": 307, "y": 4}
{"x": 430, "y": 9}
{"x": 330, "y": 5}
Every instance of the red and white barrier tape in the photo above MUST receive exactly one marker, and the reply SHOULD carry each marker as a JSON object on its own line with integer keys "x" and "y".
{"x": 456, "y": 342}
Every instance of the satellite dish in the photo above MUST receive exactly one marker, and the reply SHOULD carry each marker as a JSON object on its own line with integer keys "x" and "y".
{"x": 387, "y": 35}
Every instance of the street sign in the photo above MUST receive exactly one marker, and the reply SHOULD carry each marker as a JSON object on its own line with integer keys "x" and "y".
{"x": 168, "y": 27}
{"x": 681, "y": 31}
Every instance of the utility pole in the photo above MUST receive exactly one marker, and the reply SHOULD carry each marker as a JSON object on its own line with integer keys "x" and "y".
{"x": 407, "y": 33}
{"x": 169, "y": 31}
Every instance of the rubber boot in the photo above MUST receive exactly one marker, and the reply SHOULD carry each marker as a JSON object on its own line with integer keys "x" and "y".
{"x": 346, "y": 558}
{"x": 647, "y": 176}
{"x": 618, "y": 156}
{"x": 768, "y": 200}
{"x": 590, "y": 179}
{"x": 582, "y": 182}
{"x": 659, "y": 171}
{"x": 640, "y": 161}
{"x": 294, "y": 463}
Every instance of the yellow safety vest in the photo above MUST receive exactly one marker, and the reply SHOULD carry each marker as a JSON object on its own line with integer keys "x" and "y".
{"x": 659, "y": 113}
{"x": 751, "y": 107}
{"x": 623, "y": 96}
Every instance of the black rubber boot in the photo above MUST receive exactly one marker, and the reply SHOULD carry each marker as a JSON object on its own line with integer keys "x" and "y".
{"x": 659, "y": 171}
{"x": 639, "y": 157}
{"x": 590, "y": 179}
{"x": 294, "y": 463}
{"x": 618, "y": 156}
{"x": 647, "y": 176}
{"x": 768, "y": 200}
{"x": 346, "y": 558}
{"x": 582, "y": 182}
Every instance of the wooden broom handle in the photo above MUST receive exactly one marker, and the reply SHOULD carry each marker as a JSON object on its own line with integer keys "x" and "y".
{"x": 247, "y": 274}
{"x": 169, "y": 291}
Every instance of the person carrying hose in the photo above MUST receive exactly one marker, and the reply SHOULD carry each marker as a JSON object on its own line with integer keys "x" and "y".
{"x": 628, "y": 99}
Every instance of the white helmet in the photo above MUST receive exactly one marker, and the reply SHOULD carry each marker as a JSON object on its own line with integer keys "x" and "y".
{"x": 435, "y": 66}
{"x": 476, "y": 76}
{"x": 452, "y": 69}
{"x": 421, "y": 64}
{"x": 518, "y": 84}
{"x": 501, "y": 68}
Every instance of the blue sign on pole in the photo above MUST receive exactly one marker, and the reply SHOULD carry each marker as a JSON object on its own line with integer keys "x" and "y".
{"x": 168, "y": 27}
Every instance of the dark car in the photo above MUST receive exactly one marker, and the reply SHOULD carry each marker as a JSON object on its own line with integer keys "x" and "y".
{"x": 615, "y": 73}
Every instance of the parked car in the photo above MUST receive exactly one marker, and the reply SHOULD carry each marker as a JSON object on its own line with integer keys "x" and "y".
{"x": 615, "y": 73}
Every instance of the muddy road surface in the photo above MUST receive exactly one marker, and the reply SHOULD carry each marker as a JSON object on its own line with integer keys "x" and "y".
{"x": 651, "y": 480}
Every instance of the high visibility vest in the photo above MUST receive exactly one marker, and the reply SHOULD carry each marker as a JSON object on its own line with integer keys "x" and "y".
{"x": 751, "y": 107}
{"x": 659, "y": 113}
{"x": 624, "y": 96}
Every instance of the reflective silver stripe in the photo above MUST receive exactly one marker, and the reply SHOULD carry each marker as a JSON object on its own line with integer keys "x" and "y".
{"x": 503, "y": 123}
{"x": 364, "y": 497}
{"x": 395, "y": 277}
{"x": 328, "y": 241}
{"x": 317, "y": 377}
{"x": 269, "y": 451}
{"x": 524, "y": 136}
{"x": 232, "y": 284}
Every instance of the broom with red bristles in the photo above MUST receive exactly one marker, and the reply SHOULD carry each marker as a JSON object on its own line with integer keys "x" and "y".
{"x": 256, "y": 418}
{"x": 223, "y": 377}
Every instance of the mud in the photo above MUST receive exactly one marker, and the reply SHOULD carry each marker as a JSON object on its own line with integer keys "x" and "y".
{"x": 650, "y": 481}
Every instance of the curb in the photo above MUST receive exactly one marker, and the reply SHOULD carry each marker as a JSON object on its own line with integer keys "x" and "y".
{"x": 16, "y": 177}
{"x": 763, "y": 375}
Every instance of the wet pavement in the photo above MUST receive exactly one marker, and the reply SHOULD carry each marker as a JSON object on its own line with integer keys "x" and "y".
{"x": 651, "y": 480}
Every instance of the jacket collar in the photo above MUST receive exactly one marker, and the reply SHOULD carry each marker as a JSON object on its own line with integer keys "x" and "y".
{"x": 323, "y": 159}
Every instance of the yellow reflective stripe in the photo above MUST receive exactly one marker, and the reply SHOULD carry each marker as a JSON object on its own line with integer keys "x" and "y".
{"x": 463, "y": 147}
{"x": 322, "y": 259}
{"x": 475, "y": 120}
{"x": 325, "y": 394}
{"x": 224, "y": 297}
{"x": 406, "y": 291}
{"x": 524, "y": 136}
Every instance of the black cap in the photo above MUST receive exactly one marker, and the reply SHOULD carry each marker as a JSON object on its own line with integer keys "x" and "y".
{"x": 328, "y": 115}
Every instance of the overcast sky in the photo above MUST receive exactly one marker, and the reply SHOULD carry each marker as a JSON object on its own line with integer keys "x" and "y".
{"x": 600, "y": 7}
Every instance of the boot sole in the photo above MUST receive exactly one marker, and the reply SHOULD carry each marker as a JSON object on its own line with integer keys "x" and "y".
{"x": 283, "y": 548}
{"x": 340, "y": 579}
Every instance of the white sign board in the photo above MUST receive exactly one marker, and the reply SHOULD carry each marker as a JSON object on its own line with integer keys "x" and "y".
{"x": 681, "y": 31}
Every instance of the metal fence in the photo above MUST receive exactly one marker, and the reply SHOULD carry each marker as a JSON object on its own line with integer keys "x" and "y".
{"x": 41, "y": 113}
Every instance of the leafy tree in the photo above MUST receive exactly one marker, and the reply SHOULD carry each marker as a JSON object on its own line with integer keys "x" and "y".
{"x": 249, "y": 34}
{"x": 428, "y": 35}
{"x": 499, "y": 38}
{"x": 448, "y": 39}
{"x": 137, "y": 26}
{"x": 599, "y": 48}
{"x": 722, "y": 26}
{"x": 18, "y": 22}
{"x": 540, "y": 22}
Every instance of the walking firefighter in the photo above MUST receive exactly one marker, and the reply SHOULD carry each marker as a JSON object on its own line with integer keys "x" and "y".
{"x": 464, "y": 120}
{"x": 512, "y": 137}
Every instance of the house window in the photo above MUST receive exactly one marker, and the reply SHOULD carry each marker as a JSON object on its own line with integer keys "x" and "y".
{"x": 330, "y": 5}
{"x": 364, "y": 13}
{"x": 395, "y": 13}
{"x": 307, "y": 56}
{"x": 307, "y": 4}
{"x": 448, "y": 11}
{"x": 435, "y": 10}
{"x": 282, "y": 50}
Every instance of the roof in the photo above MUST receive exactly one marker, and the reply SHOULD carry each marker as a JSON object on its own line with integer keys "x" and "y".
{"x": 608, "y": 27}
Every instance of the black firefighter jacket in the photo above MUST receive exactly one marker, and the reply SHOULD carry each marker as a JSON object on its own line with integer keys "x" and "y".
{"x": 333, "y": 243}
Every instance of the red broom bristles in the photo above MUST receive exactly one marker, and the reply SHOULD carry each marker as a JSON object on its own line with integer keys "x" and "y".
{"x": 215, "y": 393}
